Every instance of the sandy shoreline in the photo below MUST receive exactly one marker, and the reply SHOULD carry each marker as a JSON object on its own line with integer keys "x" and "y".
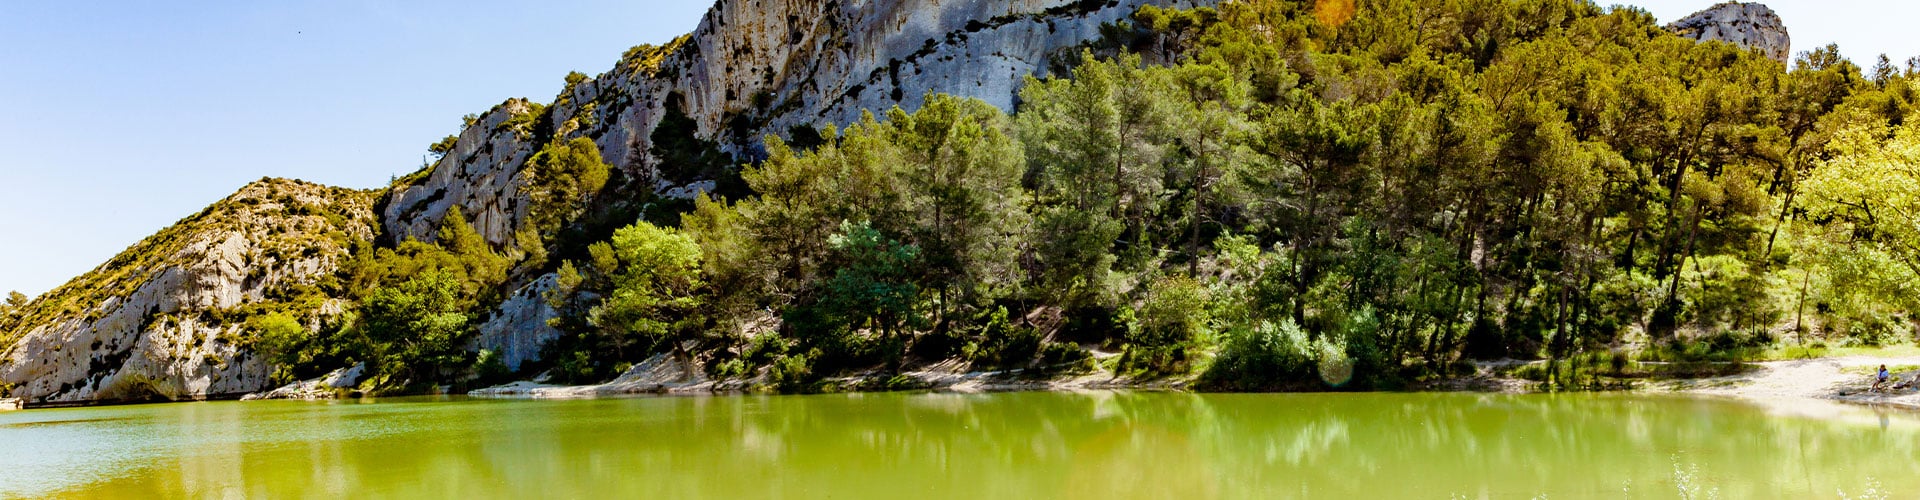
{"x": 1844, "y": 379}
{"x": 1823, "y": 379}
{"x": 660, "y": 375}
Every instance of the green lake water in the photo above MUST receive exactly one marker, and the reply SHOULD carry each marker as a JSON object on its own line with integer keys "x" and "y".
{"x": 990, "y": 446}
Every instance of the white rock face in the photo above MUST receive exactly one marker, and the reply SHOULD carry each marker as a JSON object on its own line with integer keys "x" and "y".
{"x": 321, "y": 387}
{"x": 519, "y": 328}
{"x": 658, "y": 374}
{"x": 1749, "y": 25}
{"x": 471, "y": 177}
{"x": 771, "y": 64}
{"x": 166, "y": 338}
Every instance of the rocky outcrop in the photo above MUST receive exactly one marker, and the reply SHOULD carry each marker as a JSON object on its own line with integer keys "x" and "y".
{"x": 658, "y": 374}
{"x": 327, "y": 386}
{"x": 752, "y": 67}
{"x": 518, "y": 329}
{"x": 159, "y": 321}
{"x": 1749, "y": 25}
{"x": 755, "y": 67}
{"x": 470, "y": 176}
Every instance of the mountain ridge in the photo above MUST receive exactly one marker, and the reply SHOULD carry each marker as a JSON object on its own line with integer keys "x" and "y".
{"x": 854, "y": 57}
{"x": 160, "y": 326}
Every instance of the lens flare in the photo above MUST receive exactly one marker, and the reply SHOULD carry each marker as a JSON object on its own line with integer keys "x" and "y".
{"x": 1333, "y": 12}
{"x": 1336, "y": 370}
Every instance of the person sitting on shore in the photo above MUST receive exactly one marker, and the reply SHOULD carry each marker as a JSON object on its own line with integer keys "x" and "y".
{"x": 1880, "y": 379}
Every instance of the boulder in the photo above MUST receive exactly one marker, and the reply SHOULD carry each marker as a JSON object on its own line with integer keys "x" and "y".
{"x": 659, "y": 374}
{"x": 323, "y": 387}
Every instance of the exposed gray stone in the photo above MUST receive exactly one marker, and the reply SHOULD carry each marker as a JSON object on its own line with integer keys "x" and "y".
{"x": 785, "y": 63}
{"x": 519, "y": 328}
{"x": 1749, "y": 25}
{"x": 470, "y": 176}
{"x": 164, "y": 339}
{"x": 658, "y": 374}
{"x": 322, "y": 387}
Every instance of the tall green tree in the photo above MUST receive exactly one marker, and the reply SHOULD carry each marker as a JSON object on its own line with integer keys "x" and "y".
{"x": 418, "y": 328}
{"x": 1873, "y": 186}
{"x": 872, "y": 287}
{"x": 657, "y": 292}
{"x": 560, "y": 179}
{"x": 1097, "y": 150}
{"x": 963, "y": 199}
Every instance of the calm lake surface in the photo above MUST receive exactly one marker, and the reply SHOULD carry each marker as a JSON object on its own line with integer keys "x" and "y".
{"x": 917, "y": 446}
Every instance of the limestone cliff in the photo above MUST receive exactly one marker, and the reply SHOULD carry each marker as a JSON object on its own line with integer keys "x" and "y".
{"x": 159, "y": 321}
{"x": 519, "y": 326}
{"x": 1749, "y": 25}
{"x": 755, "y": 67}
{"x": 752, "y": 67}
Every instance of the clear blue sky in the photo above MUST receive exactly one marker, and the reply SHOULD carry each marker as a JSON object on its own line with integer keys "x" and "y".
{"x": 121, "y": 117}
{"x": 118, "y": 118}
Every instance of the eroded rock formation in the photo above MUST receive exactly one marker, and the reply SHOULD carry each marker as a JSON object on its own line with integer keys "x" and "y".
{"x": 751, "y": 68}
{"x": 1749, "y": 25}
{"x": 161, "y": 320}
{"x": 518, "y": 329}
{"x": 757, "y": 67}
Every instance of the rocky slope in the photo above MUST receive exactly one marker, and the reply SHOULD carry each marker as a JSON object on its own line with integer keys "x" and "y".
{"x": 754, "y": 67}
{"x": 1749, "y": 25}
{"x": 161, "y": 319}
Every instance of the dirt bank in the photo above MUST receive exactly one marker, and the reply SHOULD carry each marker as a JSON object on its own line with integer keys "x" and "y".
{"x": 1784, "y": 384}
{"x": 661, "y": 375}
{"x": 1846, "y": 379}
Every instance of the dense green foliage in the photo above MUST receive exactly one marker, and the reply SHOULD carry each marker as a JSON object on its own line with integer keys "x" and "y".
{"x": 444, "y": 146}
{"x": 1266, "y": 195}
{"x": 655, "y": 285}
{"x": 418, "y": 305}
{"x": 15, "y": 302}
{"x": 415, "y": 328}
{"x": 560, "y": 179}
{"x": 684, "y": 156}
{"x": 1356, "y": 199}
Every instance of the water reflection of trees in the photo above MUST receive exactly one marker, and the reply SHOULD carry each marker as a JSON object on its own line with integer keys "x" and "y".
{"x": 1097, "y": 445}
